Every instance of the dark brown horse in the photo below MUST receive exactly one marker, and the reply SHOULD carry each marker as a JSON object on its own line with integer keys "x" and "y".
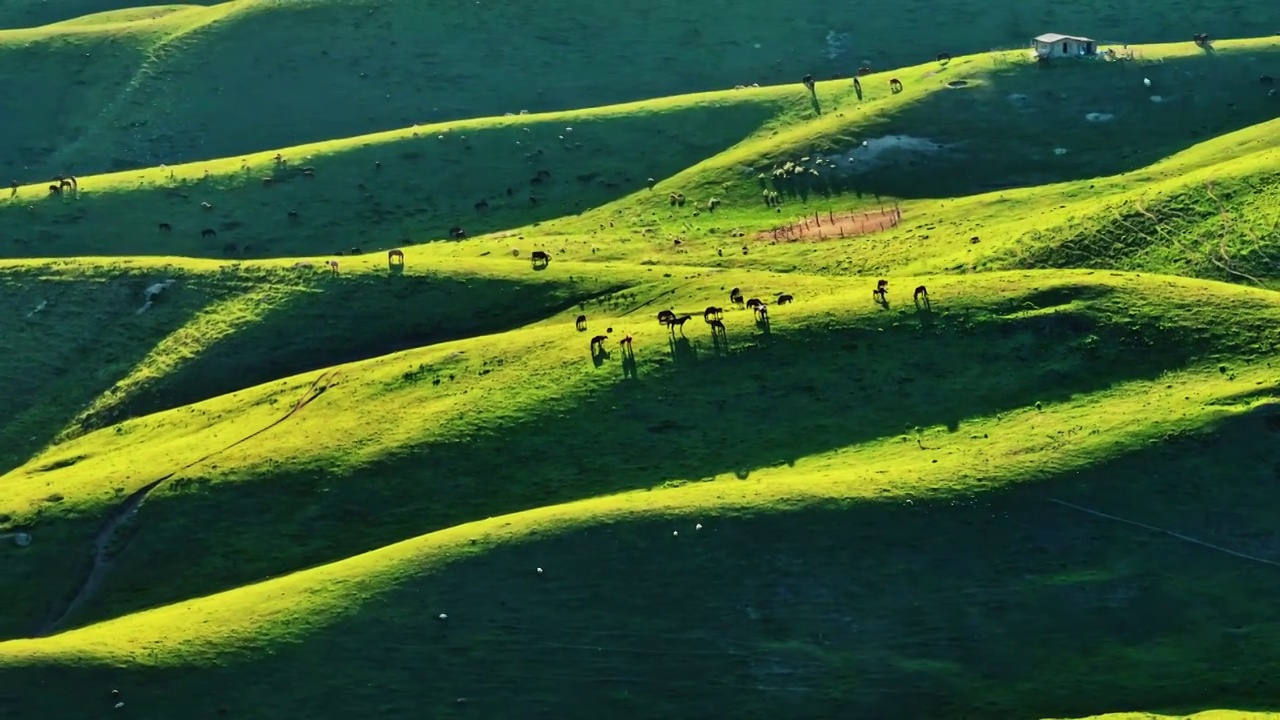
{"x": 208, "y": 233}
{"x": 712, "y": 313}
{"x": 581, "y": 323}
{"x": 679, "y": 322}
{"x": 895, "y": 85}
{"x": 666, "y": 316}
{"x": 784, "y": 298}
{"x": 598, "y": 341}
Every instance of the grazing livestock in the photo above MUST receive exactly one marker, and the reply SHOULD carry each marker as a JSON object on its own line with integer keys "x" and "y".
{"x": 665, "y": 317}
{"x": 1201, "y": 39}
{"x": 539, "y": 256}
{"x": 712, "y": 313}
{"x": 895, "y": 85}
{"x": 166, "y": 227}
{"x": 581, "y": 323}
{"x": 625, "y": 343}
{"x": 55, "y": 189}
{"x": 355, "y": 251}
{"x": 879, "y": 294}
{"x": 754, "y": 303}
{"x": 678, "y": 322}
{"x": 921, "y": 292}
{"x": 208, "y": 233}
{"x": 333, "y": 267}
{"x": 808, "y": 82}
{"x": 293, "y": 214}
{"x": 457, "y": 233}
{"x": 864, "y": 70}
{"x": 762, "y": 312}
{"x": 598, "y": 341}
{"x": 784, "y": 298}
{"x": 393, "y": 255}
{"x": 943, "y": 57}
{"x": 481, "y": 206}
{"x": 206, "y": 206}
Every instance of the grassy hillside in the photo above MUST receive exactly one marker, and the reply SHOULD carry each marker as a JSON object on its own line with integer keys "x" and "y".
{"x": 247, "y": 76}
{"x": 381, "y": 191}
{"x": 1044, "y": 487}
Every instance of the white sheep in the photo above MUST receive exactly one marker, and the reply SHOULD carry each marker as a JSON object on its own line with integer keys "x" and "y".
{"x": 1146, "y": 81}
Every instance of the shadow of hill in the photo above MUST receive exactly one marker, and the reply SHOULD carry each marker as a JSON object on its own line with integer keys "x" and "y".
{"x": 355, "y": 317}
{"x": 379, "y": 194}
{"x": 34, "y": 13}
{"x": 1006, "y": 130}
{"x": 35, "y": 120}
{"x": 70, "y": 334}
{"x": 1001, "y": 604}
{"x": 351, "y": 68}
{"x": 809, "y": 391}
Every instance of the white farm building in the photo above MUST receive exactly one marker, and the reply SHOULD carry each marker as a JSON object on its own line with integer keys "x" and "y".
{"x": 1054, "y": 45}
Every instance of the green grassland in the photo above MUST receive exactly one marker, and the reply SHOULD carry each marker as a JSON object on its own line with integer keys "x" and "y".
{"x": 1048, "y": 490}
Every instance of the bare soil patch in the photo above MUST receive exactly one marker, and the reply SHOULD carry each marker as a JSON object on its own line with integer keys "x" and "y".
{"x": 834, "y": 226}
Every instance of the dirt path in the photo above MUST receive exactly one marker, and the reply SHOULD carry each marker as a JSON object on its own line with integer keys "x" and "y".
{"x": 833, "y": 226}
{"x": 102, "y": 561}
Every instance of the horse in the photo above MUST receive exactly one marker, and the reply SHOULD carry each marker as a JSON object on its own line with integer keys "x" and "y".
{"x": 712, "y": 313}
{"x": 754, "y": 303}
{"x": 625, "y": 343}
{"x": 55, "y": 189}
{"x": 598, "y": 341}
{"x": 807, "y": 80}
{"x": 864, "y": 70}
{"x": 481, "y": 206}
{"x": 392, "y": 255}
{"x": 665, "y": 317}
{"x": 762, "y": 312}
{"x": 678, "y": 322}
{"x": 882, "y": 288}
{"x": 355, "y": 251}
{"x": 921, "y": 293}
{"x": 895, "y": 85}
{"x": 293, "y": 214}
{"x": 943, "y": 57}
{"x": 166, "y": 227}
{"x": 784, "y": 298}
{"x": 539, "y": 256}
{"x": 581, "y": 323}
{"x": 208, "y": 233}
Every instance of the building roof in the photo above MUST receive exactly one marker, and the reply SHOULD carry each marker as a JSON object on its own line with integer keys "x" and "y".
{"x": 1055, "y": 37}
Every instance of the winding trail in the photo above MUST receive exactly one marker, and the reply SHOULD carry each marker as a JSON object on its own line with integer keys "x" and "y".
{"x": 102, "y": 560}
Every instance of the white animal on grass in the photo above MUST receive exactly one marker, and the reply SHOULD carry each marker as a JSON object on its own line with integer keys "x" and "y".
{"x": 1146, "y": 81}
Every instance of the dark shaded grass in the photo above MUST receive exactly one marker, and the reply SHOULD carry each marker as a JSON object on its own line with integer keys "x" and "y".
{"x": 991, "y": 605}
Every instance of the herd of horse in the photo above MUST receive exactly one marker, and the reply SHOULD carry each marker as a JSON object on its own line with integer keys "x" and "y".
{"x": 714, "y": 315}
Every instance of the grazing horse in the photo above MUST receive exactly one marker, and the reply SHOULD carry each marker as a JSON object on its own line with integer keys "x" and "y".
{"x": 355, "y": 251}
{"x": 1267, "y": 80}
{"x": 762, "y": 312}
{"x": 55, "y": 189}
{"x": 712, "y": 313}
{"x": 921, "y": 294}
{"x": 882, "y": 289}
{"x": 808, "y": 82}
{"x": 457, "y": 233}
{"x": 65, "y": 183}
{"x": 333, "y": 267}
{"x": 393, "y": 255}
{"x": 754, "y": 303}
{"x": 581, "y": 323}
{"x": 625, "y": 343}
{"x": 539, "y": 256}
{"x": 678, "y": 322}
{"x": 166, "y": 227}
{"x": 943, "y": 57}
{"x": 895, "y": 85}
{"x": 864, "y": 70}
{"x": 665, "y": 317}
{"x": 784, "y": 298}
{"x": 208, "y": 233}
{"x": 1200, "y": 38}
{"x": 598, "y": 341}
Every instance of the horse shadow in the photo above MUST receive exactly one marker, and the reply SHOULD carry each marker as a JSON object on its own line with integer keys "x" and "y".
{"x": 882, "y": 300}
{"x": 682, "y": 351}
{"x": 395, "y": 268}
{"x": 539, "y": 266}
{"x": 598, "y": 356}
{"x": 814, "y": 103}
{"x": 923, "y": 305}
{"x": 762, "y": 324}
{"x": 719, "y": 341}
{"x": 630, "y": 371}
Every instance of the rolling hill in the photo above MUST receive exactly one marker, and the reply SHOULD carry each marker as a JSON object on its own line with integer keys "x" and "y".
{"x": 255, "y": 465}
